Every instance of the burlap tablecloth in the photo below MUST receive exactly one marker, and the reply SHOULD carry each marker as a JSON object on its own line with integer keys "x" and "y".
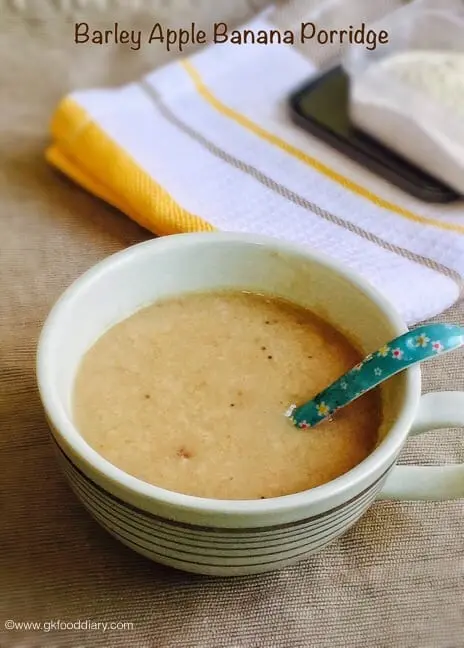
{"x": 397, "y": 579}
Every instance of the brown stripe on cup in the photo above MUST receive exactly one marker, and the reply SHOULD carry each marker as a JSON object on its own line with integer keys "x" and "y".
{"x": 219, "y": 530}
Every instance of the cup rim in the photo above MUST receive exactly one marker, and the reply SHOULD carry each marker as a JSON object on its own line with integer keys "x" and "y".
{"x": 63, "y": 427}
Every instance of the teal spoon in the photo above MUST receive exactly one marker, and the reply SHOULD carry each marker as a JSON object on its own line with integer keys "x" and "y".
{"x": 420, "y": 344}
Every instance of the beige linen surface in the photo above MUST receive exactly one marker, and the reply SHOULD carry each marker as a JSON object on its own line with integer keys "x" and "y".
{"x": 396, "y": 579}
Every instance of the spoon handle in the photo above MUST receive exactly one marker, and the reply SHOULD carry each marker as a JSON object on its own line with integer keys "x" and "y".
{"x": 420, "y": 344}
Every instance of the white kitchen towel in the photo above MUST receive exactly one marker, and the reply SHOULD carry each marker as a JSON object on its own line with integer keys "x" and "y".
{"x": 206, "y": 142}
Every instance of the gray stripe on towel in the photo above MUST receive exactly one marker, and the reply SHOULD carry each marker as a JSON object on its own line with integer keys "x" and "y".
{"x": 296, "y": 199}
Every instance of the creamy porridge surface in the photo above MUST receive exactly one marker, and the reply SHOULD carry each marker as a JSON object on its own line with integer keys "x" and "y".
{"x": 189, "y": 394}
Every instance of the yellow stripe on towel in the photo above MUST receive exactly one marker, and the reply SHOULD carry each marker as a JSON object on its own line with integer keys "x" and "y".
{"x": 297, "y": 153}
{"x": 84, "y": 152}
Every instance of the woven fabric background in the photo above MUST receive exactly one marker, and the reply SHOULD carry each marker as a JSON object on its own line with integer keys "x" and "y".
{"x": 396, "y": 579}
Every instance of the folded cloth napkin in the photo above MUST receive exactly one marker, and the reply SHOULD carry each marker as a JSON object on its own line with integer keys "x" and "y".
{"x": 206, "y": 143}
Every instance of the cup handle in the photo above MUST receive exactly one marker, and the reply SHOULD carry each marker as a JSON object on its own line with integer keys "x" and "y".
{"x": 433, "y": 483}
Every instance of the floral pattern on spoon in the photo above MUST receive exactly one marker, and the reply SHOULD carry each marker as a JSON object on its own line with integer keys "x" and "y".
{"x": 418, "y": 345}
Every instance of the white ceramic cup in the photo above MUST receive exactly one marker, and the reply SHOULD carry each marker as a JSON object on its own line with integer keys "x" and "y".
{"x": 236, "y": 537}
